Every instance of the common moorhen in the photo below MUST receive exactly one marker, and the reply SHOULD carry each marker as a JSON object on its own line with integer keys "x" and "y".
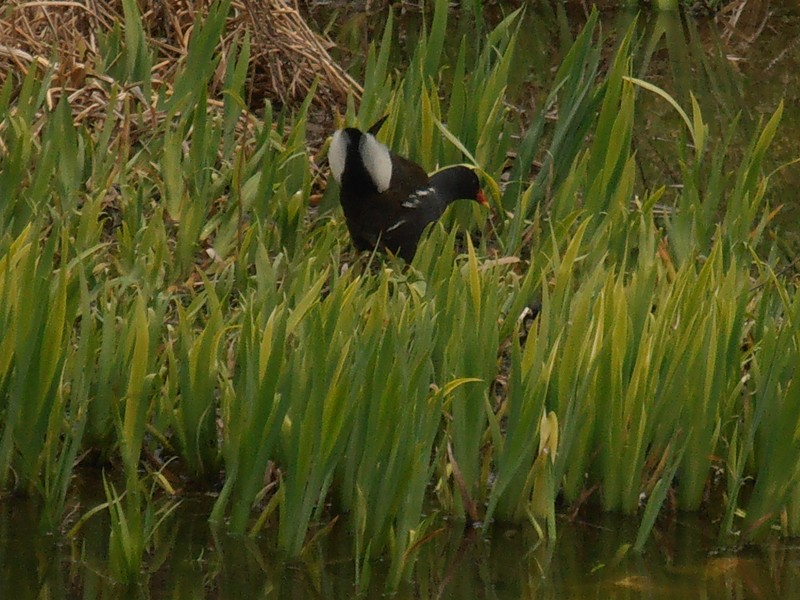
{"x": 388, "y": 200}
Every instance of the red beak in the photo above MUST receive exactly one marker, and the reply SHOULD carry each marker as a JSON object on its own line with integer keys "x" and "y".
{"x": 481, "y": 198}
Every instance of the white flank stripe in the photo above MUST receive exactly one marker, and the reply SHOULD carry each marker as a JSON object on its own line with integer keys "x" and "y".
{"x": 377, "y": 160}
{"x": 396, "y": 225}
{"x": 337, "y": 154}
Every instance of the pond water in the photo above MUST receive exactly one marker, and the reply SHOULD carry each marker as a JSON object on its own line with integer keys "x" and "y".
{"x": 742, "y": 63}
{"x": 589, "y": 560}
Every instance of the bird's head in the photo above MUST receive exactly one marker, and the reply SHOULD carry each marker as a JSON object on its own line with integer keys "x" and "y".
{"x": 458, "y": 182}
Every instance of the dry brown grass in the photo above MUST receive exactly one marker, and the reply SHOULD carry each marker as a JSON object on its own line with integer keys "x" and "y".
{"x": 286, "y": 56}
{"x": 743, "y": 21}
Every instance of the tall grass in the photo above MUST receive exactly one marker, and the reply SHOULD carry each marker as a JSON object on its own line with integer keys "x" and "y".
{"x": 182, "y": 302}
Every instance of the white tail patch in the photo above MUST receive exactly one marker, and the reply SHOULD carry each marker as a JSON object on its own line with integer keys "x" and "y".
{"x": 337, "y": 153}
{"x": 377, "y": 160}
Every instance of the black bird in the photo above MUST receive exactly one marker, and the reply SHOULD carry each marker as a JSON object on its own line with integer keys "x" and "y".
{"x": 388, "y": 200}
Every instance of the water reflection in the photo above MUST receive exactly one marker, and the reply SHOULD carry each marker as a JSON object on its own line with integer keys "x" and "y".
{"x": 590, "y": 560}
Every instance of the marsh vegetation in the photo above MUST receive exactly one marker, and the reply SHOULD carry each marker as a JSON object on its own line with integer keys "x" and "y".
{"x": 181, "y": 310}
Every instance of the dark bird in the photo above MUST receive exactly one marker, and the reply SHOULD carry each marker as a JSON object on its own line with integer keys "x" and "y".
{"x": 388, "y": 200}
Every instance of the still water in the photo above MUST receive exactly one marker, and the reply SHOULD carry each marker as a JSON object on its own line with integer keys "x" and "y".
{"x": 589, "y": 560}
{"x": 741, "y": 64}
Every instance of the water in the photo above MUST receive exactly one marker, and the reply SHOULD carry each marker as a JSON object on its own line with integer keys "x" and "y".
{"x": 742, "y": 70}
{"x": 589, "y": 560}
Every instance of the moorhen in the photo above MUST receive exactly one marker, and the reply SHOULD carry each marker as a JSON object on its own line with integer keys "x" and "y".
{"x": 388, "y": 200}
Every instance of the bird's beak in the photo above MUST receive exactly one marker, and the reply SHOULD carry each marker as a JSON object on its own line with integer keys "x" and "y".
{"x": 481, "y": 198}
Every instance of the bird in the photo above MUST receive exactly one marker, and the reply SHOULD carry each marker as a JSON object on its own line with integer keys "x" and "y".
{"x": 387, "y": 199}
